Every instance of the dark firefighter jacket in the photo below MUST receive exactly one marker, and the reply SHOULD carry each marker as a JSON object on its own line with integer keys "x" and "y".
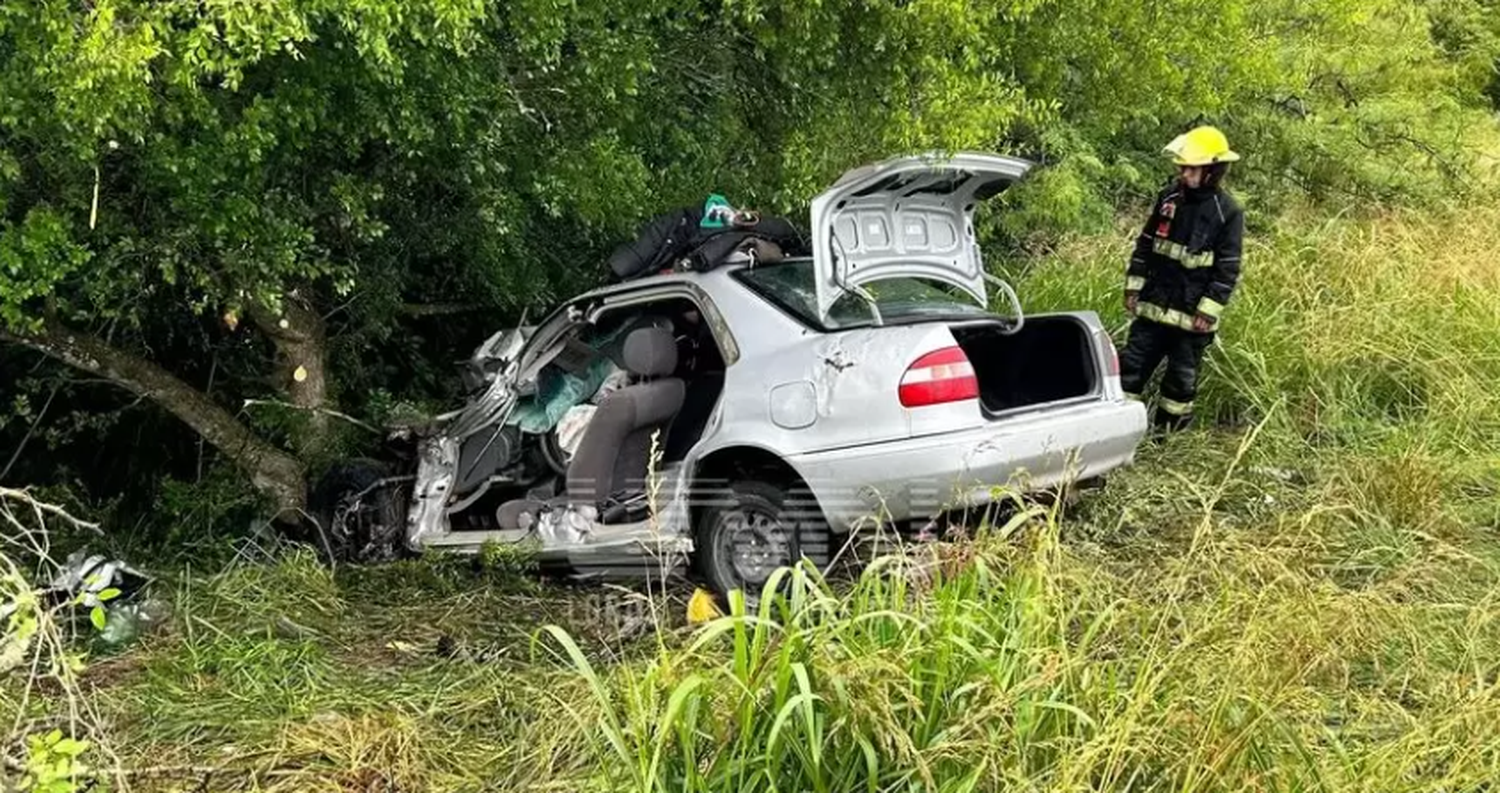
{"x": 1187, "y": 259}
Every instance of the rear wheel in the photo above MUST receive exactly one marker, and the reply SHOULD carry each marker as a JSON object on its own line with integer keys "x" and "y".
{"x": 758, "y": 528}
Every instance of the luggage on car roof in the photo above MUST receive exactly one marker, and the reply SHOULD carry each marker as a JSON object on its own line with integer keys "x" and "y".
{"x": 658, "y": 242}
{"x": 702, "y": 238}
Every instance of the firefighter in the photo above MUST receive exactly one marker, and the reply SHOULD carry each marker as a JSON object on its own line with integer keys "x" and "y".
{"x": 1182, "y": 272}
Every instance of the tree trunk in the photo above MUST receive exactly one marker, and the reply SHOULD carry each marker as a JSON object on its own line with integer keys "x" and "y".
{"x": 272, "y": 471}
{"x": 302, "y": 365}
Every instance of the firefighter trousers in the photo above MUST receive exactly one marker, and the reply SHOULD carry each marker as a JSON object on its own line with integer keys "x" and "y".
{"x": 1149, "y": 344}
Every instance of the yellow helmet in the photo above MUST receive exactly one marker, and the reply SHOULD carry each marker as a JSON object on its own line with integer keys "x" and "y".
{"x": 1200, "y": 146}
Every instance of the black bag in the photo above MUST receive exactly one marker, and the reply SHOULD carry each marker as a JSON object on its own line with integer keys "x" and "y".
{"x": 657, "y": 245}
{"x": 783, "y": 238}
{"x": 675, "y": 236}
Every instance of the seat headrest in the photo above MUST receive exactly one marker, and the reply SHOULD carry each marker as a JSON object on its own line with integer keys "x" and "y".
{"x": 650, "y": 352}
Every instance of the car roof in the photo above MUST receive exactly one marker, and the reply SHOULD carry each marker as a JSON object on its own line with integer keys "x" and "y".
{"x": 694, "y": 277}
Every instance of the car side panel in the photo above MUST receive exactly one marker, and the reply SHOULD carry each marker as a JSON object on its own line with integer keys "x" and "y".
{"x": 922, "y": 477}
{"x": 797, "y": 391}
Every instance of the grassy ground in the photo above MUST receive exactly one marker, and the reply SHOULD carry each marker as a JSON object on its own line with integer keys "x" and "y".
{"x": 1302, "y": 595}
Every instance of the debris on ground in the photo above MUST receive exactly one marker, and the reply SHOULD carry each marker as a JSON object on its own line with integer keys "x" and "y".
{"x": 1287, "y": 475}
{"x": 108, "y": 589}
{"x": 701, "y": 607}
{"x": 88, "y": 576}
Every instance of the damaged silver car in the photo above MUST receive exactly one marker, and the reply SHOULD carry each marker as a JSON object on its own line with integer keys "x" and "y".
{"x": 737, "y": 419}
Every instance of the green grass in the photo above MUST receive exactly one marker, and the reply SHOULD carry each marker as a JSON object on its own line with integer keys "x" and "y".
{"x": 1304, "y": 595}
{"x": 1281, "y": 654}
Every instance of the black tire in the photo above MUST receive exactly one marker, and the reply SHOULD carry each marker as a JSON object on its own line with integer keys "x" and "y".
{"x": 740, "y": 540}
{"x": 358, "y": 519}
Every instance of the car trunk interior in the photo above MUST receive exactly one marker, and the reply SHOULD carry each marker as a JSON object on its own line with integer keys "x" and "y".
{"x": 1050, "y": 359}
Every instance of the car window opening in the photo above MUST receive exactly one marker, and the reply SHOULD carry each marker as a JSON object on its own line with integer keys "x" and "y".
{"x": 599, "y": 351}
{"x": 577, "y": 371}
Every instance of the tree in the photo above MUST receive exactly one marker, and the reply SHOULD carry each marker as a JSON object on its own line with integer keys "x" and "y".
{"x": 197, "y": 157}
{"x": 258, "y": 170}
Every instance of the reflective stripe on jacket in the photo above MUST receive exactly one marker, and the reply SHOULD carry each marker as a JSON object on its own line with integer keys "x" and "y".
{"x": 1187, "y": 258}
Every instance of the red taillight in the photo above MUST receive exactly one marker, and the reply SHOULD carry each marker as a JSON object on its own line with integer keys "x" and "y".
{"x": 938, "y": 377}
{"x": 1111, "y": 355}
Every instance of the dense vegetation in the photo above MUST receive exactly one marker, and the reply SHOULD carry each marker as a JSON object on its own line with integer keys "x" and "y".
{"x": 220, "y": 221}
{"x": 317, "y": 204}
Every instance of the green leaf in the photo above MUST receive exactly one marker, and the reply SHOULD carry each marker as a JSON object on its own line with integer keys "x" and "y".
{"x": 96, "y": 616}
{"x": 70, "y": 747}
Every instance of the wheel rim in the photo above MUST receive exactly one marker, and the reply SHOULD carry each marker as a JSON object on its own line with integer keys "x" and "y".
{"x": 752, "y": 544}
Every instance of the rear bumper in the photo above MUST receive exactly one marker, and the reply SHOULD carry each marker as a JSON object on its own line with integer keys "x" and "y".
{"x": 922, "y": 477}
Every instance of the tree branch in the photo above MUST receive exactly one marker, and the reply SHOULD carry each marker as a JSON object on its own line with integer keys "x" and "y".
{"x": 30, "y": 431}
{"x": 441, "y": 309}
{"x": 324, "y": 411}
{"x": 10, "y": 494}
{"x": 272, "y": 471}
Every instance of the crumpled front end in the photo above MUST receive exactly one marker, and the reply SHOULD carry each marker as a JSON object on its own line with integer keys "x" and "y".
{"x": 438, "y": 447}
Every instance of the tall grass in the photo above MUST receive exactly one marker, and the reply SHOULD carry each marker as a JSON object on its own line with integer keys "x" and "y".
{"x": 1367, "y": 329}
{"x": 1013, "y": 661}
{"x": 906, "y": 680}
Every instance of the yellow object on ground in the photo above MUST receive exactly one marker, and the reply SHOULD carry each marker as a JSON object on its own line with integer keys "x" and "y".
{"x": 702, "y": 606}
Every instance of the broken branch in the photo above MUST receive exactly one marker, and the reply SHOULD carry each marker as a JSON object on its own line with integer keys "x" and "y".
{"x": 22, "y": 496}
{"x": 36, "y": 422}
{"x": 441, "y": 309}
{"x": 324, "y": 411}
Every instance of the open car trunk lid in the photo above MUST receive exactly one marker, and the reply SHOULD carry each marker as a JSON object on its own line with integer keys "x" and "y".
{"x": 906, "y": 217}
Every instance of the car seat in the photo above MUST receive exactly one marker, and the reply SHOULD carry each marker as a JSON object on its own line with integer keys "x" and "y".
{"x": 613, "y": 456}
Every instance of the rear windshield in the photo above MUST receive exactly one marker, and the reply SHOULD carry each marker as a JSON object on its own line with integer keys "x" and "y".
{"x": 789, "y": 285}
